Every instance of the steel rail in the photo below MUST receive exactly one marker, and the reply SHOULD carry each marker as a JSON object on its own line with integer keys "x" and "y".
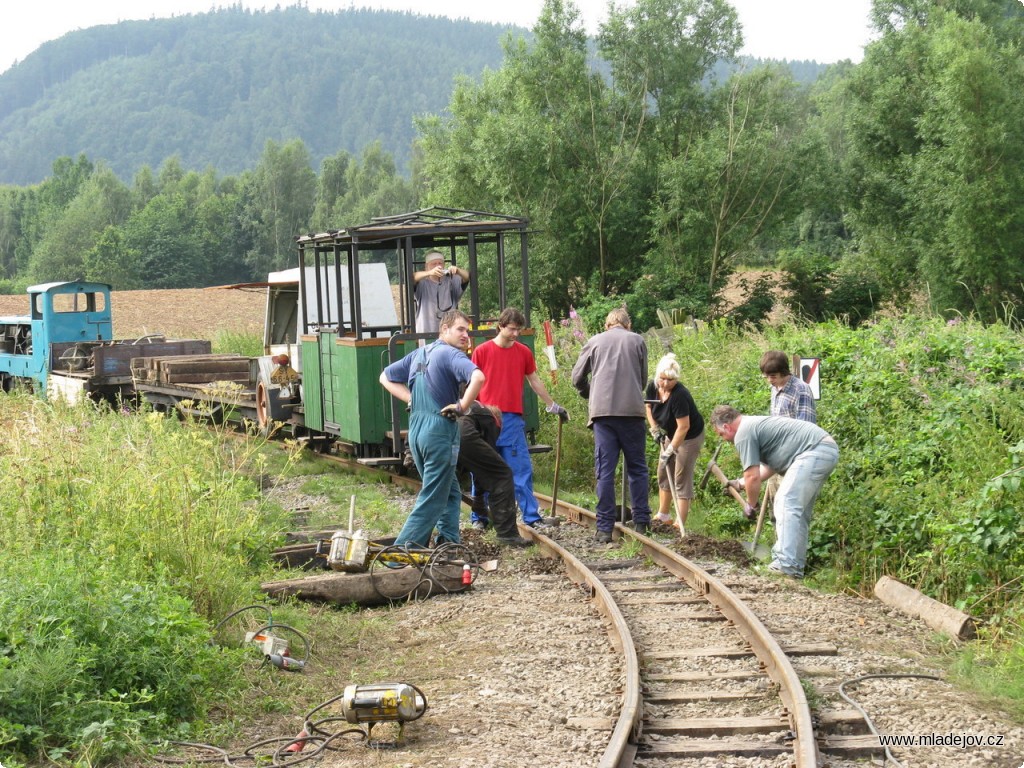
{"x": 764, "y": 646}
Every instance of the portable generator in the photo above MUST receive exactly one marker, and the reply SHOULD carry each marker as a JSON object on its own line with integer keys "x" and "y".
{"x": 383, "y": 703}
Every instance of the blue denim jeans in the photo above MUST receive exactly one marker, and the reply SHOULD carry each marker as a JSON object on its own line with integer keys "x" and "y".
{"x": 516, "y": 453}
{"x": 794, "y": 504}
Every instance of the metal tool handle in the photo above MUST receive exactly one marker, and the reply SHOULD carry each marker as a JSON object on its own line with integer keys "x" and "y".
{"x": 558, "y": 466}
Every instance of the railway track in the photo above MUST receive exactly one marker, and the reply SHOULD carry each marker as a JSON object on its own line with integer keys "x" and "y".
{"x": 688, "y": 642}
{"x": 687, "y": 639}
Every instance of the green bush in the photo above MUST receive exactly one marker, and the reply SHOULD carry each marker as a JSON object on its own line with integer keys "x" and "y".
{"x": 94, "y": 666}
{"x": 929, "y": 416}
{"x": 817, "y": 288}
{"x": 758, "y": 302}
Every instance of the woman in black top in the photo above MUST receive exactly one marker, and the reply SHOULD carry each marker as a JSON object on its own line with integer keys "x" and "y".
{"x": 678, "y": 428}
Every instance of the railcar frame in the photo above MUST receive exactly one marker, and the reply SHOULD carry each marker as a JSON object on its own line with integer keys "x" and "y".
{"x": 343, "y": 350}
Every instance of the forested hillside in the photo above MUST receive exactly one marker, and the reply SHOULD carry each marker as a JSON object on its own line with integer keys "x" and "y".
{"x": 649, "y": 173}
{"x": 212, "y": 88}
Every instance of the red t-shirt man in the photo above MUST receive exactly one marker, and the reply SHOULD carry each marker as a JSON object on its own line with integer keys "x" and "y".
{"x": 506, "y": 362}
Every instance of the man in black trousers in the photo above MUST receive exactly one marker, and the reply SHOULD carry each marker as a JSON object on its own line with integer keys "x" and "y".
{"x": 479, "y": 429}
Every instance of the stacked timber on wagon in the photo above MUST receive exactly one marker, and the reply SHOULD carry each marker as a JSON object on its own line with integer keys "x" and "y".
{"x": 208, "y": 386}
{"x": 103, "y": 369}
{"x": 194, "y": 370}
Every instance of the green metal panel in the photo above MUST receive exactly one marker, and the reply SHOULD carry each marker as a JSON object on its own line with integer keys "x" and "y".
{"x": 354, "y": 400}
{"x": 312, "y": 384}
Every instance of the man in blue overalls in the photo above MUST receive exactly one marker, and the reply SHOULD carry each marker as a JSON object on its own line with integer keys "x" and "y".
{"x": 426, "y": 379}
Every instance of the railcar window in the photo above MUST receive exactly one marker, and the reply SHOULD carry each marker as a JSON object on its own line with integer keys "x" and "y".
{"x": 78, "y": 302}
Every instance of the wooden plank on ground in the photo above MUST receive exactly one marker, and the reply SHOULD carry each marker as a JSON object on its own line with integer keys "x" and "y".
{"x": 852, "y": 746}
{"x": 363, "y": 588}
{"x": 679, "y": 697}
{"x": 849, "y": 720}
{"x": 732, "y": 652}
{"x": 662, "y": 587}
{"x": 698, "y": 677}
{"x": 697, "y": 748}
{"x": 662, "y": 601}
{"x": 699, "y": 727}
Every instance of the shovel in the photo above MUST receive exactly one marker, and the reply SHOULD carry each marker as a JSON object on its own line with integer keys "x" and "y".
{"x": 554, "y": 519}
{"x": 760, "y": 551}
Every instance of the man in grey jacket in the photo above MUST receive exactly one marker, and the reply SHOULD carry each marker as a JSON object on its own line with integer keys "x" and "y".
{"x": 611, "y": 373}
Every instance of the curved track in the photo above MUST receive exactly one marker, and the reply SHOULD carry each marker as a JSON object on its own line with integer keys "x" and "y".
{"x": 658, "y": 619}
{"x": 773, "y": 662}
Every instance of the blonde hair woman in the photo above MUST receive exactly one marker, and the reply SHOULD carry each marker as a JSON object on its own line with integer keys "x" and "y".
{"x": 678, "y": 428}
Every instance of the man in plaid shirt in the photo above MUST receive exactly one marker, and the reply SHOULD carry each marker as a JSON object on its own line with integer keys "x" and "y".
{"x": 791, "y": 396}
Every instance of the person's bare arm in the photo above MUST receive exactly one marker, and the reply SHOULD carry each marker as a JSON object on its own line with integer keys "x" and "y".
{"x": 538, "y": 386}
{"x": 396, "y": 388}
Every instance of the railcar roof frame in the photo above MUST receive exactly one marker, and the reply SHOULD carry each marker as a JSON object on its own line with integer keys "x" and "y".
{"x": 432, "y": 222}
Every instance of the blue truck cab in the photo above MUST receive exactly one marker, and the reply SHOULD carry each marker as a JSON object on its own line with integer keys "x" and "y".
{"x": 61, "y": 315}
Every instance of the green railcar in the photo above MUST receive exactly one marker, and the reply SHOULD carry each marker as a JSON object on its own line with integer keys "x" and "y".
{"x": 346, "y": 337}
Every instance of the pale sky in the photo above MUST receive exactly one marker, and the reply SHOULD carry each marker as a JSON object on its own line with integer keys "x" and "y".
{"x": 824, "y": 30}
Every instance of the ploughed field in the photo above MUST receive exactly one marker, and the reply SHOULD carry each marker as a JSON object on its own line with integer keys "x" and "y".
{"x": 186, "y": 313}
{"x": 203, "y": 312}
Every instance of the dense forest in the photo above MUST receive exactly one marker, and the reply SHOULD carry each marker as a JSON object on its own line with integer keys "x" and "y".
{"x": 649, "y": 171}
{"x": 212, "y": 88}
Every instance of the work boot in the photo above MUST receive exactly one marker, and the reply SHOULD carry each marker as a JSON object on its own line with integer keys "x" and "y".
{"x": 481, "y": 525}
{"x": 514, "y": 541}
{"x": 540, "y": 526}
{"x": 644, "y": 528}
{"x": 604, "y": 537}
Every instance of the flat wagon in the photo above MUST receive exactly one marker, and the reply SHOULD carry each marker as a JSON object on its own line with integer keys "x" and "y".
{"x": 65, "y": 347}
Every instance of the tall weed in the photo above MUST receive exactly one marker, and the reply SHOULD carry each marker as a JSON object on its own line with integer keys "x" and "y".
{"x": 245, "y": 344}
{"x": 124, "y": 539}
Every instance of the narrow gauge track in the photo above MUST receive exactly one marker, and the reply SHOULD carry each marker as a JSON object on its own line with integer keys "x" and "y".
{"x": 676, "y": 653}
{"x": 659, "y": 615}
